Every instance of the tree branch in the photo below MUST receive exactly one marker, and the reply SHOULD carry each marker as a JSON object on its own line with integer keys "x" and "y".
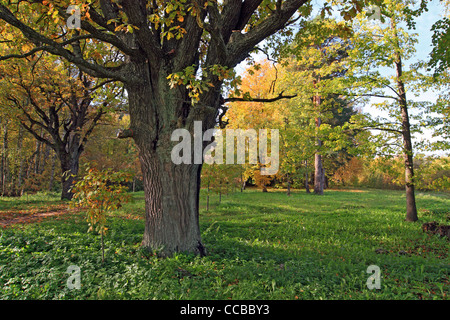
{"x": 279, "y": 97}
{"x": 97, "y": 117}
{"x": 248, "y": 8}
{"x": 382, "y": 129}
{"x": 240, "y": 44}
{"x": 137, "y": 15}
{"x": 37, "y": 136}
{"x": 58, "y": 49}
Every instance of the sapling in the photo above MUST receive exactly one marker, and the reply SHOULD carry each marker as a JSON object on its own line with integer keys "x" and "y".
{"x": 100, "y": 192}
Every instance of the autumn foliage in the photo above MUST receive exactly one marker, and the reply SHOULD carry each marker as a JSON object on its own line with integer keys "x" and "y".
{"x": 100, "y": 192}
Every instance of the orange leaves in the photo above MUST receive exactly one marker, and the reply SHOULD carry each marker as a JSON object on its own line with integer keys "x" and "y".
{"x": 257, "y": 82}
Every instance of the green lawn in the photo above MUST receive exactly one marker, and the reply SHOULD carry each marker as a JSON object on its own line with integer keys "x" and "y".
{"x": 260, "y": 246}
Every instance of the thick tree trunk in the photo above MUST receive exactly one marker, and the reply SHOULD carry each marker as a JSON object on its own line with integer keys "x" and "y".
{"x": 69, "y": 170}
{"x": 171, "y": 205}
{"x": 171, "y": 190}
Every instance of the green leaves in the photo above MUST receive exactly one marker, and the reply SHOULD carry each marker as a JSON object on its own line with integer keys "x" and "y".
{"x": 440, "y": 55}
{"x": 263, "y": 246}
{"x": 199, "y": 82}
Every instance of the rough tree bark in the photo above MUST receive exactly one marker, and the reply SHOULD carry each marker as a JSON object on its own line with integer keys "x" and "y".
{"x": 69, "y": 163}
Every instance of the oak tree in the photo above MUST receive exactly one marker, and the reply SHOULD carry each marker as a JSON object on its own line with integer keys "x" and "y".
{"x": 175, "y": 56}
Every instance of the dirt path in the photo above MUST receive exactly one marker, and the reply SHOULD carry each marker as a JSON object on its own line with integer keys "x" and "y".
{"x": 11, "y": 217}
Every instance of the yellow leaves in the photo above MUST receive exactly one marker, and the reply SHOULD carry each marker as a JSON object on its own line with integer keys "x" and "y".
{"x": 101, "y": 192}
{"x": 127, "y": 28}
{"x": 8, "y": 36}
{"x": 26, "y": 47}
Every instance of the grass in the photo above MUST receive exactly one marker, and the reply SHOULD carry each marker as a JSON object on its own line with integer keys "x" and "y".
{"x": 260, "y": 246}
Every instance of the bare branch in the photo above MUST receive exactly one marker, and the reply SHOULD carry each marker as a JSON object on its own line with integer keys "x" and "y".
{"x": 279, "y": 97}
{"x": 240, "y": 44}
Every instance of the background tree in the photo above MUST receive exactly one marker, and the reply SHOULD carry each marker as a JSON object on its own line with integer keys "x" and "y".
{"x": 386, "y": 45}
{"x": 315, "y": 65}
{"x": 257, "y": 83}
{"x": 440, "y": 54}
{"x": 56, "y": 104}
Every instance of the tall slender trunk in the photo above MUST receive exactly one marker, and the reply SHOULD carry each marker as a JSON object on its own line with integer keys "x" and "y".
{"x": 319, "y": 180}
{"x": 22, "y": 158}
{"x": 52, "y": 173}
{"x": 306, "y": 177}
{"x": 318, "y": 166}
{"x": 411, "y": 209}
{"x": 37, "y": 155}
{"x": 45, "y": 156}
{"x": 4, "y": 166}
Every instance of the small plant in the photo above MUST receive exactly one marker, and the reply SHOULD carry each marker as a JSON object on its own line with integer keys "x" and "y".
{"x": 100, "y": 192}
